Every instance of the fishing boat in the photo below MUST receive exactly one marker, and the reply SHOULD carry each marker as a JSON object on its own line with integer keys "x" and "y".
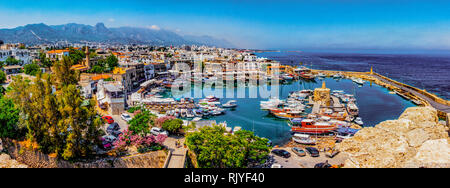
{"x": 309, "y": 126}
{"x": 321, "y": 75}
{"x": 303, "y": 139}
{"x": 287, "y": 115}
{"x": 230, "y": 104}
{"x": 352, "y": 109}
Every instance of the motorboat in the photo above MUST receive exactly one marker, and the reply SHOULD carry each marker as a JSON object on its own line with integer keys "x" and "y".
{"x": 338, "y": 76}
{"x": 352, "y": 109}
{"x": 230, "y": 104}
{"x": 321, "y": 75}
{"x": 359, "y": 121}
{"x": 270, "y": 104}
{"x": 212, "y": 99}
{"x": 345, "y": 133}
{"x": 359, "y": 81}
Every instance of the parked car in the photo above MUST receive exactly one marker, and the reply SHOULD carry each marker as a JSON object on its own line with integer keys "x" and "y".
{"x": 276, "y": 166}
{"x": 323, "y": 165}
{"x": 313, "y": 152}
{"x": 113, "y": 129}
{"x": 108, "y": 141}
{"x": 108, "y": 119}
{"x": 157, "y": 131}
{"x": 281, "y": 153}
{"x": 126, "y": 117}
{"x": 300, "y": 152}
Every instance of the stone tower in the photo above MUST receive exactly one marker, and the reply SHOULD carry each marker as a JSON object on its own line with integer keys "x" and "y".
{"x": 322, "y": 95}
{"x": 87, "y": 63}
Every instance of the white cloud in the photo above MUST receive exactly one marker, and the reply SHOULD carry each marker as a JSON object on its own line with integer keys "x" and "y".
{"x": 154, "y": 27}
{"x": 111, "y": 20}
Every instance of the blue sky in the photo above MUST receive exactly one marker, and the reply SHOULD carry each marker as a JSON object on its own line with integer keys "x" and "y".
{"x": 282, "y": 24}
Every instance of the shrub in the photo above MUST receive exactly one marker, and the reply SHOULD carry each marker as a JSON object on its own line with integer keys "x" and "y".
{"x": 142, "y": 143}
{"x": 160, "y": 121}
{"x": 173, "y": 125}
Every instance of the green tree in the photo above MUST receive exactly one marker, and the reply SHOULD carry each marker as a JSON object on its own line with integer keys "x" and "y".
{"x": 140, "y": 124}
{"x": 97, "y": 69}
{"x": 173, "y": 126}
{"x": 112, "y": 61}
{"x": 12, "y": 61}
{"x": 2, "y": 77}
{"x": 64, "y": 75}
{"x": 9, "y": 117}
{"x": 47, "y": 63}
{"x": 31, "y": 69}
{"x": 60, "y": 121}
{"x": 76, "y": 56}
{"x": 216, "y": 149}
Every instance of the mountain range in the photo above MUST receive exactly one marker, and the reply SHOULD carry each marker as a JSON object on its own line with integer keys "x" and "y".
{"x": 72, "y": 32}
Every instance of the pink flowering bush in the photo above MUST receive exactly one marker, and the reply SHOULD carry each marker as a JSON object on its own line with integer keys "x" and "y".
{"x": 142, "y": 143}
{"x": 160, "y": 121}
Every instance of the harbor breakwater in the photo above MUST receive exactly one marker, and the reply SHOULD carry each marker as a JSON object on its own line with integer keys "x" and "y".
{"x": 36, "y": 159}
{"x": 426, "y": 98}
{"x": 414, "y": 140}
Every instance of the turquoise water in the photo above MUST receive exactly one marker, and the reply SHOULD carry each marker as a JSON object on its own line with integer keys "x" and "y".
{"x": 375, "y": 104}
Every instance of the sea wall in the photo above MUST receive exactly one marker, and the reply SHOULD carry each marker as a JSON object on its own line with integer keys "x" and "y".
{"x": 366, "y": 76}
{"x": 414, "y": 140}
{"x": 36, "y": 159}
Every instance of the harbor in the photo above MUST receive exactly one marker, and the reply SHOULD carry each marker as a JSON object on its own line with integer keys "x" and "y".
{"x": 375, "y": 104}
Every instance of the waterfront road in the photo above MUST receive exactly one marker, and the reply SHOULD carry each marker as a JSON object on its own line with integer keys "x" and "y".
{"x": 434, "y": 104}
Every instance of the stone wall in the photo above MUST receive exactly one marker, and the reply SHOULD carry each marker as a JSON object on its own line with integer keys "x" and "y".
{"x": 415, "y": 140}
{"x": 36, "y": 159}
{"x": 7, "y": 162}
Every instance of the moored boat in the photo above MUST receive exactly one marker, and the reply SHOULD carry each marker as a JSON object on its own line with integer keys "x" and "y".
{"x": 230, "y": 104}
{"x": 352, "y": 109}
{"x": 303, "y": 139}
{"x": 309, "y": 126}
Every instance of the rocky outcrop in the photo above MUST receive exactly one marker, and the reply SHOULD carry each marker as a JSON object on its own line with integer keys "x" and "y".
{"x": 416, "y": 139}
{"x": 7, "y": 162}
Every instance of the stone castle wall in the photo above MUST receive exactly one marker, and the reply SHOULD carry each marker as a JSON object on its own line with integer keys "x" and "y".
{"x": 36, "y": 159}
{"x": 414, "y": 140}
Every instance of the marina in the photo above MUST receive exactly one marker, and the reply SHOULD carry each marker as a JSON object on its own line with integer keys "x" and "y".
{"x": 375, "y": 105}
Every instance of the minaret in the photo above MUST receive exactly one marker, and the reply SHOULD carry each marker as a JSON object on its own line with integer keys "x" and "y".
{"x": 371, "y": 70}
{"x": 324, "y": 86}
{"x": 87, "y": 63}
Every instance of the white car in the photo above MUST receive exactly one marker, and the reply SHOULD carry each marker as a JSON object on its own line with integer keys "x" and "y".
{"x": 126, "y": 117}
{"x": 276, "y": 166}
{"x": 157, "y": 131}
